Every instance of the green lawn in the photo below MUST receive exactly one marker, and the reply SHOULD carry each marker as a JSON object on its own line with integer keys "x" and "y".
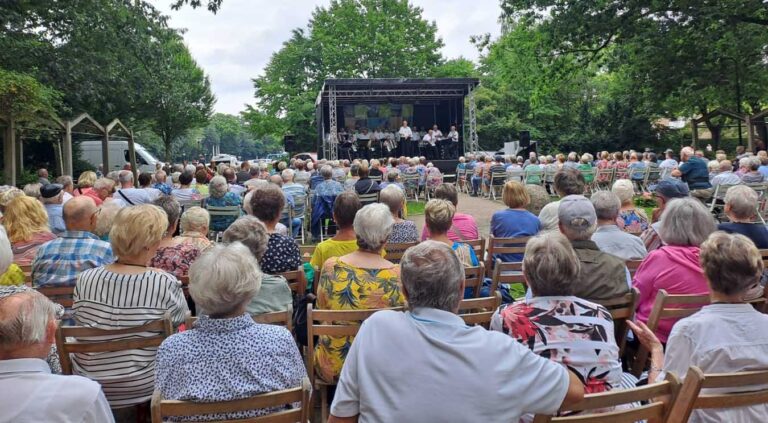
{"x": 415, "y": 207}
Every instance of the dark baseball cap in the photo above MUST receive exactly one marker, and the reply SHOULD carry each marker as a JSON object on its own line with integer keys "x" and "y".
{"x": 672, "y": 188}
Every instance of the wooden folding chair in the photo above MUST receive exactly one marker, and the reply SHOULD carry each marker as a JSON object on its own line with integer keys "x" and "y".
{"x": 748, "y": 388}
{"x": 306, "y": 252}
{"x": 27, "y": 270}
{"x": 632, "y": 266}
{"x": 297, "y": 280}
{"x": 395, "y": 251}
{"x": 622, "y": 309}
{"x": 71, "y": 339}
{"x": 508, "y": 273}
{"x": 59, "y": 294}
{"x": 474, "y": 277}
{"x": 764, "y": 255}
{"x": 667, "y": 306}
{"x": 504, "y": 246}
{"x": 657, "y": 400}
{"x": 166, "y": 408}
{"x": 479, "y": 246}
{"x": 366, "y": 199}
{"x": 478, "y": 311}
{"x": 323, "y": 323}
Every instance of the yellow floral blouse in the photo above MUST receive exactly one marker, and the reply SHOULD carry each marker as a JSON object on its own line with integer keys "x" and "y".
{"x": 345, "y": 287}
{"x": 13, "y": 276}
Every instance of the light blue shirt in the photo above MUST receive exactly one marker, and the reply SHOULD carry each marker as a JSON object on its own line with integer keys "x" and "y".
{"x": 612, "y": 240}
{"x": 56, "y": 218}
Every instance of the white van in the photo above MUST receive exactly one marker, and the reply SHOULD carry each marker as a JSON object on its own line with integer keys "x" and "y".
{"x": 90, "y": 151}
{"x": 225, "y": 158}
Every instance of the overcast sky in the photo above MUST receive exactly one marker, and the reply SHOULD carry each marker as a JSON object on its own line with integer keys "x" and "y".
{"x": 234, "y": 45}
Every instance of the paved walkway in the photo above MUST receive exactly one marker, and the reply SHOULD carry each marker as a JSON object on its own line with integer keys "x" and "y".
{"x": 480, "y": 208}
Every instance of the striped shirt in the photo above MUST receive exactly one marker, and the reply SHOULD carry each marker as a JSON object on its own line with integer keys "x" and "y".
{"x": 109, "y": 300}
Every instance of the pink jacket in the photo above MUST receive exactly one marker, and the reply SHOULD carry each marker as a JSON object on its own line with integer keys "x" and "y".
{"x": 675, "y": 269}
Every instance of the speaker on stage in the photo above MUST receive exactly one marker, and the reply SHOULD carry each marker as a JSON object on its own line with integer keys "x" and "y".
{"x": 525, "y": 139}
{"x": 289, "y": 143}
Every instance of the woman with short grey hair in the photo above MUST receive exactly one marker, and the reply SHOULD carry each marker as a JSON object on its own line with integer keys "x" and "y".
{"x": 176, "y": 254}
{"x": 275, "y": 295}
{"x": 419, "y": 266}
{"x": 555, "y": 324}
{"x": 226, "y": 355}
{"x": 741, "y": 208}
{"x": 674, "y": 267}
{"x": 220, "y": 196}
{"x": 357, "y": 281}
{"x": 402, "y": 230}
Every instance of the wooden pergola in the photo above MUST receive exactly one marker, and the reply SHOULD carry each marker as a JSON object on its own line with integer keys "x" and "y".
{"x": 749, "y": 121}
{"x": 82, "y": 124}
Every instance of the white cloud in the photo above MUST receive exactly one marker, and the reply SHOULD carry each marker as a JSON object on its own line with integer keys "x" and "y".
{"x": 234, "y": 45}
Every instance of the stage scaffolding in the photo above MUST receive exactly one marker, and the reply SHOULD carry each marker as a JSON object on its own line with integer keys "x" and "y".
{"x": 337, "y": 92}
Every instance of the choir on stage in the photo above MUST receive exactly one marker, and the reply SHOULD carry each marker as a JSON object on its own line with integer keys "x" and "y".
{"x": 430, "y": 143}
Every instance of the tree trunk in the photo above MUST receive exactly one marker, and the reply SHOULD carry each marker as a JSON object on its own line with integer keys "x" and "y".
{"x": 715, "y": 131}
{"x": 167, "y": 143}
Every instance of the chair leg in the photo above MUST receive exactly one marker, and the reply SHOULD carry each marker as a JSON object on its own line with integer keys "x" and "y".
{"x": 324, "y": 412}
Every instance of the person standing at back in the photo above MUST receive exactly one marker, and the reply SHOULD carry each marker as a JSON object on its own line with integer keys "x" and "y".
{"x": 128, "y": 195}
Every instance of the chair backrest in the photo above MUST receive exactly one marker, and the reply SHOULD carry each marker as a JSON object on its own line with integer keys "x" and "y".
{"x": 653, "y": 175}
{"x": 223, "y": 211}
{"x": 333, "y": 323}
{"x": 27, "y": 270}
{"x": 72, "y": 339}
{"x": 366, "y": 199}
{"x": 741, "y": 389}
{"x": 478, "y": 311}
{"x": 657, "y": 400}
{"x": 191, "y": 203}
{"x": 719, "y": 194}
{"x": 507, "y": 273}
{"x": 395, "y": 251}
{"x": 59, "y": 294}
{"x": 622, "y": 309}
{"x": 504, "y": 246}
{"x": 632, "y": 266}
{"x": 473, "y": 278}
{"x": 498, "y": 178}
{"x": 479, "y": 246}
{"x": 297, "y": 280}
{"x": 306, "y": 252}
{"x": 764, "y": 255}
{"x": 165, "y": 408}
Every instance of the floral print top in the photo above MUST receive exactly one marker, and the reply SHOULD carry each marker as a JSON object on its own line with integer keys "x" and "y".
{"x": 345, "y": 287}
{"x": 404, "y": 231}
{"x": 175, "y": 259}
{"x": 573, "y": 332}
{"x": 632, "y": 221}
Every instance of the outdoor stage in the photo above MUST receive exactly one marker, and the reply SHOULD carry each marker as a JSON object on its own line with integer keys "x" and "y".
{"x": 348, "y": 105}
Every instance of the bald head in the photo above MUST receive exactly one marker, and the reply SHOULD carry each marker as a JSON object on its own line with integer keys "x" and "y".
{"x": 276, "y": 179}
{"x": 79, "y": 214}
{"x": 27, "y": 323}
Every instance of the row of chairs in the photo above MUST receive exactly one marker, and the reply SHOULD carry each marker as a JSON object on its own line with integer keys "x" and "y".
{"x": 717, "y": 202}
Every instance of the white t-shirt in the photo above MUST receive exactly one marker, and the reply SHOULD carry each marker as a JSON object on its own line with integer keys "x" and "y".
{"x": 454, "y": 136}
{"x": 405, "y": 132}
{"x": 408, "y": 367}
{"x": 132, "y": 196}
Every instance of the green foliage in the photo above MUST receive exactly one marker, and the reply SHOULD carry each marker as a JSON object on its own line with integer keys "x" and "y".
{"x": 347, "y": 39}
{"x": 211, "y": 5}
{"x": 22, "y": 97}
{"x": 455, "y": 68}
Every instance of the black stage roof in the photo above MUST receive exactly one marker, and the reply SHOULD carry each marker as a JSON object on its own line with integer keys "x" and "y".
{"x": 395, "y": 89}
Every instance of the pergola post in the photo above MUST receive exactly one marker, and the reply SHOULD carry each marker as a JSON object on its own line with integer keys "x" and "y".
{"x": 132, "y": 156}
{"x": 694, "y": 132}
{"x": 66, "y": 150}
{"x": 9, "y": 153}
{"x": 750, "y": 133}
{"x": 20, "y": 153}
{"x": 105, "y": 152}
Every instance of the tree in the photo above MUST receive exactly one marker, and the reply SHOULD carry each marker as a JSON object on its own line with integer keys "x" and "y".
{"x": 23, "y": 98}
{"x": 347, "y": 39}
{"x": 184, "y": 99}
{"x": 455, "y": 68}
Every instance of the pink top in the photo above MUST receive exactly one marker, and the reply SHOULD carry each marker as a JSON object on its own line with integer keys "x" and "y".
{"x": 673, "y": 268}
{"x": 462, "y": 223}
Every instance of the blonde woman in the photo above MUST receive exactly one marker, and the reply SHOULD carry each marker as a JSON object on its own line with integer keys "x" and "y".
{"x": 85, "y": 183}
{"x": 26, "y": 222}
{"x": 438, "y": 219}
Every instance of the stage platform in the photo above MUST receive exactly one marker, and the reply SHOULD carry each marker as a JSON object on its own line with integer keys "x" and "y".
{"x": 446, "y": 166}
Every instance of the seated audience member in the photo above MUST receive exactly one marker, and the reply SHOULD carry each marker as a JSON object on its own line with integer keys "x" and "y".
{"x": 161, "y": 183}
{"x": 226, "y": 355}
{"x": 127, "y": 194}
{"x": 741, "y": 209}
{"x": 359, "y": 280}
{"x": 85, "y": 183}
{"x": 631, "y": 219}
{"x": 430, "y": 338}
{"x": 585, "y": 167}
{"x": 464, "y": 226}
{"x": 402, "y": 230}
{"x": 173, "y": 255}
{"x": 145, "y": 294}
{"x": 201, "y": 182}
{"x": 726, "y": 175}
{"x": 514, "y": 221}
{"x": 438, "y": 217}
{"x": 539, "y": 198}
{"x": 32, "y": 190}
{"x": 567, "y": 182}
{"x": 220, "y": 196}
{"x": 375, "y": 170}
{"x": 693, "y": 171}
{"x": 365, "y": 185}
{"x": 101, "y": 190}
{"x": 31, "y": 393}
{"x": 345, "y": 241}
{"x": 67, "y": 187}
{"x": 751, "y": 173}
{"x": 26, "y": 223}
{"x": 601, "y": 275}
{"x": 392, "y": 178}
{"x": 145, "y": 183}
{"x": 328, "y": 186}
{"x": 723, "y": 337}
{"x": 666, "y": 191}
{"x": 282, "y": 253}
{"x": 7, "y": 195}
{"x": 194, "y": 227}
{"x": 52, "y": 197}
{"x": 229, "y": 175}
{"x": 714, "y": 169}
{"x": 274, "y": 294}
{"x": 105, "y": 219}
{"x": 557, "y": 325}
{"x": 185, "y": 192}
{"x": 10, "y": 273}
{"x": 354, "y": 176}
{"x": 686, "y": 223}
{"x": 434, "y": 176}
{"x": 608, "y": 237}
{"x": 60, "y": 261}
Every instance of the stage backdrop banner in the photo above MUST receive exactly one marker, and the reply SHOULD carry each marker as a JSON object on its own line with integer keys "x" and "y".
{"x": 374, "y": 116}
